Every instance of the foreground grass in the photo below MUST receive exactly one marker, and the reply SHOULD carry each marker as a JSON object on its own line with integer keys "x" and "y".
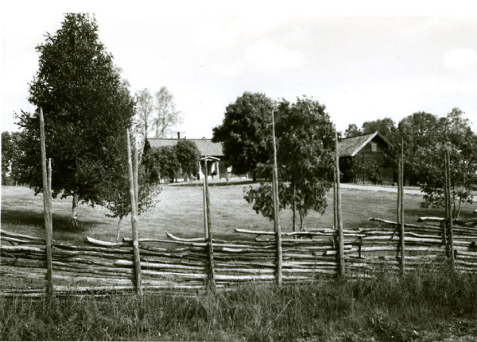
{"x": 424, "y": 307}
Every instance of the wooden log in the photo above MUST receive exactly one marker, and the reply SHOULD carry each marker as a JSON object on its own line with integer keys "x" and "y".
{"x": 175, "y": 275}
{"x": 197, "y": 244}
{"x": 409, "y": 225}
{"x": 431, "y": 219}
{"x": 187, "y": 240}
{"x": 151, "y": 265}
{"x": 19, "y": 241}
{"x": 22, "y": 262}
{"x": 23, "y": 249}
{"x": 20, "y": 236}
{"x": 64, "y": 247}
{"x": 105, "y": 243}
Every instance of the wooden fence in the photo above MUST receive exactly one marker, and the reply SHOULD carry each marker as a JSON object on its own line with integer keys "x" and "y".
{"x": 183, "y": 264}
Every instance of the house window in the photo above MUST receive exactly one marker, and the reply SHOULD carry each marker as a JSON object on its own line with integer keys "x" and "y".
{"x": 374, "y": 147}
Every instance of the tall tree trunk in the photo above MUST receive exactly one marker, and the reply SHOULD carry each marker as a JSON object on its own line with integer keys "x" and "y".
{"x": 254, "y": 176}
{"x": 74, "y": 211}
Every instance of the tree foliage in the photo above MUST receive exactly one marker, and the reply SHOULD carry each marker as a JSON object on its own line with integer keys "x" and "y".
{"x": 385, "y": 127}
{"x": 188, "y": 157}
{"x": 456, "y": 136}
{"x": 144, "y": 119}
{"x": 305, "y": 141}
{"x": 166, "y": 116}
{"x": 364, "y": 168}
{"x": 10, "y": 155}
{"x": 118, "y": 199}
{"x": 87, "y": 109}
{"x": 244, "y": 132}
{"x": 352, "y": 131}
{"x": 166, "y": 163}
{"x": 162, "y": 163}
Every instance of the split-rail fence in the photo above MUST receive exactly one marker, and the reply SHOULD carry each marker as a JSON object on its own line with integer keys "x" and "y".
{"x": 183, "y": 264}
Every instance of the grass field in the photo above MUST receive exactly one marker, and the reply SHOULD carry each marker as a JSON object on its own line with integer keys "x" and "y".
{"x": 180, "y": 212}
{"x": 427, "y": 306}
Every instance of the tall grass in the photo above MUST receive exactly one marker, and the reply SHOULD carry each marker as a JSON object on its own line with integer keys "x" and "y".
{"x": 390, "y": 307}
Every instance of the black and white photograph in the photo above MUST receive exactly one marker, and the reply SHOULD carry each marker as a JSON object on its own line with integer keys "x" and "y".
{"x": 238, "y": 171}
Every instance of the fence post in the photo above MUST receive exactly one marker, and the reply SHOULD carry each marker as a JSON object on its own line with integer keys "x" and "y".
{"x": 46, "y": 209}
{"x": 211, "y": 275}
{"x": 341, "y": 260}
{"x": 276, "y": 207}
{"x": 449, "y": 208}
{"x": 137, "y": 259}
{"x": 401, "y": 210}
{"x": 136, "y": 176}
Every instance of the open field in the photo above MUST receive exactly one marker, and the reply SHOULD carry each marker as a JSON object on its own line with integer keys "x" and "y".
{"x": 180, "y": 212}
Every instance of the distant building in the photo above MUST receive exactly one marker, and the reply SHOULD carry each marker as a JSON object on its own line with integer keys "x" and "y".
{"x": 206, "y": 147}
{"x": 373, "y": 146}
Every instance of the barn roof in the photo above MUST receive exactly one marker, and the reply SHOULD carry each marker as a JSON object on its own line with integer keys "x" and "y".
{"x": 350, "y": 147}
{"x": 205, "y": 146}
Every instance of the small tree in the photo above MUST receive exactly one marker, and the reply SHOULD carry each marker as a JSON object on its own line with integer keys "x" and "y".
{"x": 118, "y": 199}
{"x": 305, "y": 138}
{"x": 188, "y": 157}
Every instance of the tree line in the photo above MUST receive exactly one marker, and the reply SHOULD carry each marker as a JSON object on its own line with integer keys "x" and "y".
{"x": 424, "y": 136}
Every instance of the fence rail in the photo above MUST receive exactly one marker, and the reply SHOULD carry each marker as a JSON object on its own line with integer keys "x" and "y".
{"x": 183, "y": 264}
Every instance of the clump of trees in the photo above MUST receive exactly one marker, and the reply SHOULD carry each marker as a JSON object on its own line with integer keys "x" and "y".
{"x": 166, "y": 163}
{"x": 425, "y": 137}
{"x": 305, "y": 144}
{"x": 87, "y": 108}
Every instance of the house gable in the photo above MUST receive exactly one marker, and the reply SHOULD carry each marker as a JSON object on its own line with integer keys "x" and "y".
{"x": 350, "y": 147}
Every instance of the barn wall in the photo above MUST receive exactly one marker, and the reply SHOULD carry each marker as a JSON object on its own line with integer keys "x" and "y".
{"x": 379, "y": 156}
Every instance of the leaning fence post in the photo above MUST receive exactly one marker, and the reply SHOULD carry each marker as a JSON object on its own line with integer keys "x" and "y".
{"x": 137, "y": 259}
{"x": 341, "y": 260}
{"x": 46, "y": 209}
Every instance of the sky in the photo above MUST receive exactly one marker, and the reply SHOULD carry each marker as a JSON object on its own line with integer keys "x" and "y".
{"x": 361, "y": 61}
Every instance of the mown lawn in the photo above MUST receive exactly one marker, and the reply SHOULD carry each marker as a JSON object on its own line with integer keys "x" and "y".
{"x": 180, "y": 212}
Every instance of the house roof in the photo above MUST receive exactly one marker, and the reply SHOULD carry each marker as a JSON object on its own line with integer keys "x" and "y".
{"x": 205, "y": 146}
{"x": 350, "y": 147}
